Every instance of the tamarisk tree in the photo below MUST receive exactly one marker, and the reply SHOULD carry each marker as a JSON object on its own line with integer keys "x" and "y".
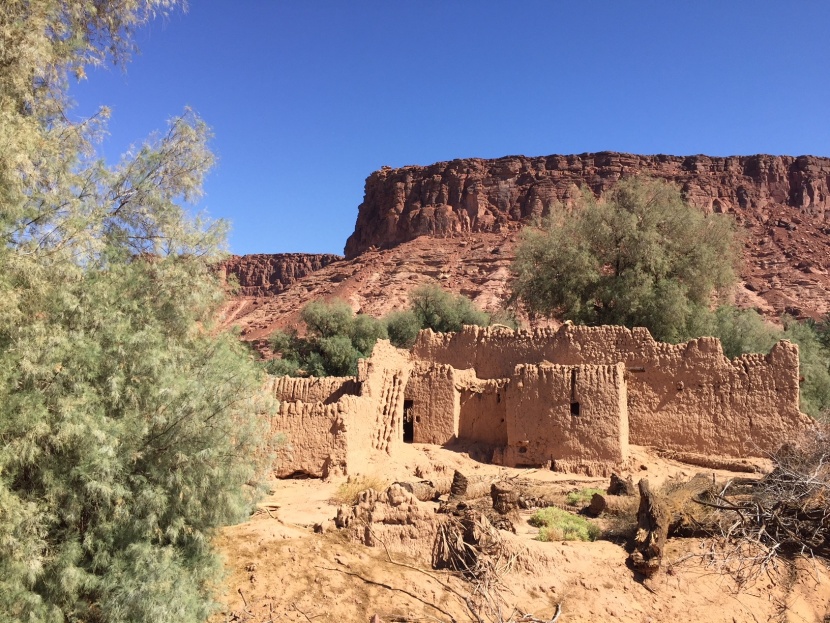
{"x": 640, "y": 257}
{"x": 128, "y": 423}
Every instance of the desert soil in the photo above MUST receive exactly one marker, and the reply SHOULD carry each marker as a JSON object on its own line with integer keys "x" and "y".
{"x": 280, "y": 569}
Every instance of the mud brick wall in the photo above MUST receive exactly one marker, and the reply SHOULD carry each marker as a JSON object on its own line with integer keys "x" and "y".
{"x": 435, "y": 403}
{"x": 327, "y": 389}
{"x": 567, "y": 413}
{"x": 314, "y": 437}
{"x": 327, "y": 429}
{"x": 483, "y": 409}
{"x": 686, "y": 396}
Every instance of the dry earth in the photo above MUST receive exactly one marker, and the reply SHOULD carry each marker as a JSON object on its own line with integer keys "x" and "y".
{"x": 281, "y": 570}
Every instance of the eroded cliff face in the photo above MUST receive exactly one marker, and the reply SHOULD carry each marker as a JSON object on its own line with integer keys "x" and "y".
{"x": 457, "y": 223}
{"x": 265, "y": 274}
{"x": 474, "y": 195}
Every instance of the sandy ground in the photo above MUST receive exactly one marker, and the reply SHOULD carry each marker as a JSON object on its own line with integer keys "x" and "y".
{"x": 279, "y": 569}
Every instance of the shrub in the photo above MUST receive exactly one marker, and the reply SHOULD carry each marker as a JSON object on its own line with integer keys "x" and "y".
{"x": 814, "y": 358}
{"x": 583, "y": 496}
{"x": 336, "y": 339}
{"x": 557, "y": 525}
{"x": 347, "y": 492}
{"x": 431, "y": 307}
{"x": 443, "y": 312}
{"x": 403, "y": 328}
{"x": 741, "y": 331}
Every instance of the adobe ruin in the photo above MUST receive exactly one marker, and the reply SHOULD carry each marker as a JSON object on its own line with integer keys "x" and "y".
{"x": 571, "y": 399}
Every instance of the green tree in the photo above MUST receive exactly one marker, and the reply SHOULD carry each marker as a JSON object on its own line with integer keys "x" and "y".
{"x": 334, "y": 341}
{"x": 814, "y": 359}
{"x": 641, "y": 257}
{"x": 402, "y": 327}
{"x": 129, "y": 426}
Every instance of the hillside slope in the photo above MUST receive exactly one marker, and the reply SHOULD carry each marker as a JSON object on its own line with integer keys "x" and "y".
{"x": 457, "y": 222}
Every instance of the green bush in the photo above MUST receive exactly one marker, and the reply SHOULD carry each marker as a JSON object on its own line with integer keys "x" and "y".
{"x": 583, "y": 496}
{"x": 403, "y": 328}
{"x": 814, "y": 358}
{"x": 336, "y": 339}
{"x": 327, "y": 319}
{"x": 741, "y": 331}
{"x": 443, "y": 312}
{"x": 557, "y": 525}
{"x": 431, "y": 307}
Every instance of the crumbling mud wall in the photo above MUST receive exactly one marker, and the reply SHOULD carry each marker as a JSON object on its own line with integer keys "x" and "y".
{"x": 378, "y": 423}
{"x": 327, "y": 389}
{"x": 435, "y": 404}
{"x": 483, "y": 409}
{"x": 686, "y": 396}
{"x": 446, "y": 404}
{"x": 573, "y": 418}
{"x": 331, "y": 426}
{"x": 314, "y": 437}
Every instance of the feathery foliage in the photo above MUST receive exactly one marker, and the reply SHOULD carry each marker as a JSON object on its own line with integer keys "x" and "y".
{"x": 128, "y": 425}
{"x": 641, "y": 257}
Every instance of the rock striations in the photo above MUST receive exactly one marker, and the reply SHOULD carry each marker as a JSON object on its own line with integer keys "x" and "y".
{"x": 457, "y": 223}
{"x": 262, "y": 274}
{"x": 474, "y": 195}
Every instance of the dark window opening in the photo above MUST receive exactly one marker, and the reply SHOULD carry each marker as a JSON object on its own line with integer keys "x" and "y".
{"x": 574, "y": 408}
{"x": 408, "y": 422}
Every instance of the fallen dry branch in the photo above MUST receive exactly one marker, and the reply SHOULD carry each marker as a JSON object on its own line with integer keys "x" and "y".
{"x": 787, "y": 512}
{"x": 391, "y": 588}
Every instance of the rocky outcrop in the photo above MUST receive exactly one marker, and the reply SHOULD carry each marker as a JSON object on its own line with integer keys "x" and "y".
{"x": 475, "y": 195}
{"x": 263, "y": 274}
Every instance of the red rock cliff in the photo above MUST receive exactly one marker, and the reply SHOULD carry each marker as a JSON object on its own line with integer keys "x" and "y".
{"x": 262, "y": 274}
{"x": 474, "y": 195}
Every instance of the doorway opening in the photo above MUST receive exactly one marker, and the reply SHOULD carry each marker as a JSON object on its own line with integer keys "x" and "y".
{"x": 408, "y": 422}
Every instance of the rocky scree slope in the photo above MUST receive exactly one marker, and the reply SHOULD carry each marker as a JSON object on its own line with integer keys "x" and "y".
{"x": 456, "y": 222}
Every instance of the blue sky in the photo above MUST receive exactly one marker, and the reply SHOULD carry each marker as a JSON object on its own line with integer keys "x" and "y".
{"x": 306, "y": 98}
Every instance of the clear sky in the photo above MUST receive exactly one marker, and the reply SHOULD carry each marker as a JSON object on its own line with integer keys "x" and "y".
{"x": 307, "y": 97}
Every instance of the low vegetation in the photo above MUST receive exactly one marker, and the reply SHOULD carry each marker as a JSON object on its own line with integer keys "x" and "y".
{"x": 583, "y": 496}
{"x": 335, "y": 337}
{"x": 556, "y": 524}
{"x": 348, "y": 491}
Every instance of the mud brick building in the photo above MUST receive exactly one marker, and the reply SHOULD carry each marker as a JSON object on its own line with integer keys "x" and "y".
{"x": 571, "y": 399}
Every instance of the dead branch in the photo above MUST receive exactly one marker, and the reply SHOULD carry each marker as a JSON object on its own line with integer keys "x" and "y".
{"x": 391, "y": 588}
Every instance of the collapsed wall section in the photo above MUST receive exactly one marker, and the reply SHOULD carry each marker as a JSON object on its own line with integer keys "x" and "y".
{"x": 574, "y": 418}
{"x": 332, "y": 425}
{"x": 686, "y": 396}
{"x": 313, "y": 436}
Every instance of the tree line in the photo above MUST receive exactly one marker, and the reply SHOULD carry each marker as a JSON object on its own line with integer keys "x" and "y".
{"x": 640, "y": 257}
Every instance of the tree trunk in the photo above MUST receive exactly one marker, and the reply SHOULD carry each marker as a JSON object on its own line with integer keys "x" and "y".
{"x": 652, "y": 529}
